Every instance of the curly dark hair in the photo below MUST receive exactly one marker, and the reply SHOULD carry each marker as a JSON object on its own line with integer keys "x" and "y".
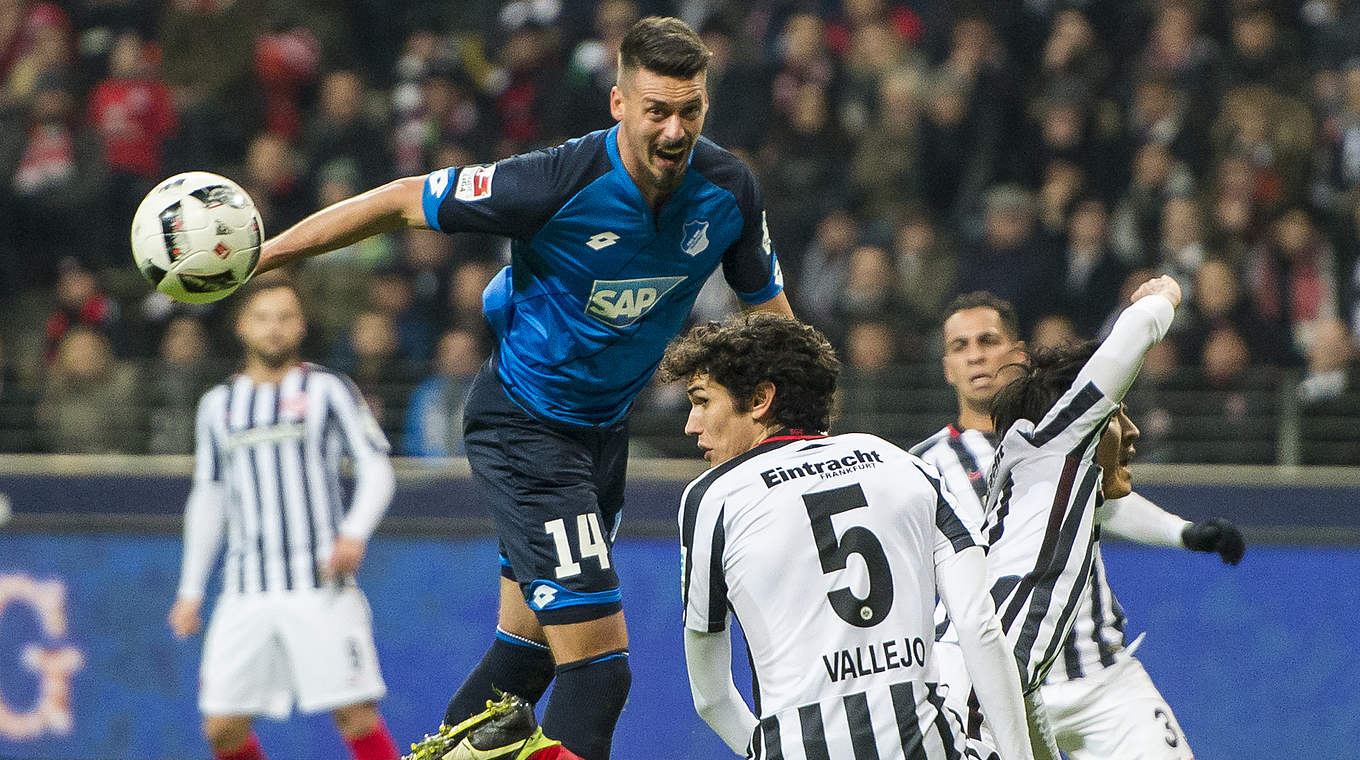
{"x": 1048, "y": 373}
{"x": 665, "y": 46}
{"x": 981, "y": 299}
{"x": 744, "y": 351}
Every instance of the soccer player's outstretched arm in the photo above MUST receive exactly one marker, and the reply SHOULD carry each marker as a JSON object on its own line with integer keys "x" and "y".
{"x": 708, "y": 658}
{"x": 1135, "y": 518}
{"x": 204, "y": 525}
{"x": 961, "y": 580}
{"x": 391, "y": 207}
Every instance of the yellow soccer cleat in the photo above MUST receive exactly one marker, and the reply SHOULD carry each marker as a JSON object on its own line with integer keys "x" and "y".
{"x": 506, "y": 730}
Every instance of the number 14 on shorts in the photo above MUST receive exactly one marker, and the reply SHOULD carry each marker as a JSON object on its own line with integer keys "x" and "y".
{"x": 590, "y": 540}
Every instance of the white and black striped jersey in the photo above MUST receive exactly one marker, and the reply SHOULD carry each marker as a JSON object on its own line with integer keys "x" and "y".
{"x": 964, "y": 458}
{"x": 267, "y": 472}
{"x": 1043, "y": 492}
{"x": 825, "y": 550}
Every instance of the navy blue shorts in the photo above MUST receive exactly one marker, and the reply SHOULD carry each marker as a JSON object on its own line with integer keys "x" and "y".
{"x": 556, "y": 491}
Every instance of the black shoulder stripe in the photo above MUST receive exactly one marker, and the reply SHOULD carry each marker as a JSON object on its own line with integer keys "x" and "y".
{"x": 1079, "y": 405}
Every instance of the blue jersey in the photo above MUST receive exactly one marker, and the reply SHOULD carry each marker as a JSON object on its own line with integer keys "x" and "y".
{"x": 598, "y": 282}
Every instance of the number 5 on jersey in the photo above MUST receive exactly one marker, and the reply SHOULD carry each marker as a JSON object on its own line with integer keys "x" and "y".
{"x": 589, "y": 539}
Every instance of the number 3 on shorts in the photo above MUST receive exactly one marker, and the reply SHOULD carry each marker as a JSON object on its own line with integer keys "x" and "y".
{"x": 589, "y": 537}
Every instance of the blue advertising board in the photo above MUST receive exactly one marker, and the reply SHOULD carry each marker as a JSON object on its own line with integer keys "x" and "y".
{"x": 1256, "y": 660}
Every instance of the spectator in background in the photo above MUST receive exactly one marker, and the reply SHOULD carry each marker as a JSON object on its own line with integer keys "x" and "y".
{"x": 132, "y": 111}
{"x": 1179, "y": 51}
{"x": 1274, "y": 131}
{"x": 172, "y": 384}
{"x": 924, "y": 259}
{"x": 738, "y": 85}
{"x": 342, "y": 128}
{"x": 1292, "y": 277}
{"x": 1160, "y": 112}
{"x": 1259, "y": 52}
{"x": 871, "y": 346}
{"x": 52, "y": 172}
{"x": 822, "y": 273}
{"x": 1137, "y": 218}
{"x": 1012, "y": 261}
{"x": 1181, "y": 251}
{"x": 434, "y": 415}
{"x": 286, "y": 62}
{"x": 208, "y": 48}
{"x": 1092, "y": 272}
{"x": 274, "y": 179}
{"x": 1217, "y": 303}
{"x": 884, "y": 169}
{"x": 90, "y": 401}
{"x": 19, "y": 432}
{"x": 871, "y": 294}
{"x": 803, "y": 163}
{"x": 1233, "y": 212}
{"x": 590, "y": 69}
{"x": 466, "y": 284}
{"x": 40, "y": 41}
{"x": 1053, "y": 331}
{"x": 80, "y": 302}
{"x": 526, "y": 77}
{"x": 1332, "y": 369}
{"x": 390, "y": 291}
{"x": 371, "y": 355}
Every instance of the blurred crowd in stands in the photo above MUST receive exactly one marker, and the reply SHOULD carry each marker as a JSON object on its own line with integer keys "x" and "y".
{"x": 1054, "y": 153}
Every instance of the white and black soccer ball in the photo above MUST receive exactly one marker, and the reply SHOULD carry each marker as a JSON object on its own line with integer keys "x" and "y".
{"x": 197, "y": 237}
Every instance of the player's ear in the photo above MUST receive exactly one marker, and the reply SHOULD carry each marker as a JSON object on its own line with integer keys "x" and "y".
{"x": 762, "y": 399}
{"x": 616, "y": 103}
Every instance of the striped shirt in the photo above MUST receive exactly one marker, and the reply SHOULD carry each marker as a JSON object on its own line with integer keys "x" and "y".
{"x": 1043, "y": 492}
{"x": 964, "y": 458}
{"x": 825, "y": 550}
{"x": 267, "y": 473}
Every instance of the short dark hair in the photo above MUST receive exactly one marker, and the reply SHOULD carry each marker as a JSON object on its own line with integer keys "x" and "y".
{"x": 663, "y": 45}
{"x": 1048, "y": 373}
{"x": 981, "y": 299}
{"x": 746, "y": 350}
{"x": 263, "y": 283}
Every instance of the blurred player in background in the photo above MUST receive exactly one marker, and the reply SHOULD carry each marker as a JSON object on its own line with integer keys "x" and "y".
{"x": 1099, "y": 700}
{"x": 841, "y": 648}
{"x": 614, "y": 235}
{"x": 290, "y": 622}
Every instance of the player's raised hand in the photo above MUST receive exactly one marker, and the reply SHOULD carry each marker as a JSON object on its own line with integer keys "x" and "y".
{"x": 1164, "y": 286}
{"x": 1218, "y": 536}
{"x": 184, "y": 618}
{"x": 346, "y": 557}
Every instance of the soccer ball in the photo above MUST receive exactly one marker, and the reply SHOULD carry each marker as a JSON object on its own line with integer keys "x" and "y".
{"x": 197, "y": 237}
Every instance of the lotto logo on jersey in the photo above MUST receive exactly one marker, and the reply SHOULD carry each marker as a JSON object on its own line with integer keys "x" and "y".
{"x": 619, "y": 303}
{"x": 474, "y": 183}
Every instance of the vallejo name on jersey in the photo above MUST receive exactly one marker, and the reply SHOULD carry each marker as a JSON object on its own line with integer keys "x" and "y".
{"x": 829, "y": 468}
{"x": 875, "y": 658}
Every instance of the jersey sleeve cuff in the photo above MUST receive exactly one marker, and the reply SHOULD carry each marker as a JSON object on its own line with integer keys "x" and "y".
{"x": 764, "y": 294}
{"x": 432, "y": 195}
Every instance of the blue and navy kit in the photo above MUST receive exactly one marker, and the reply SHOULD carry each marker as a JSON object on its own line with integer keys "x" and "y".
{"x": 599, "y": 283}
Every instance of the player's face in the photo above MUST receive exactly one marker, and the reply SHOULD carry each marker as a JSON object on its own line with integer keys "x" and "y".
{"x": 1115, "y": 453}
{"x": 271, "y": 327}
{"x": 723, "y": 431}
{"x": 976, "y": 348}
{"x": 660, "y": 119}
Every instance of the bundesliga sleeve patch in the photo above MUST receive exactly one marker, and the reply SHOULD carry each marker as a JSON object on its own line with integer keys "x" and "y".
{"x": 474, "y": 183}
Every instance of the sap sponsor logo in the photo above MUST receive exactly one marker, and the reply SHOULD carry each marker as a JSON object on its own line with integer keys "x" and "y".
{"x": 620, "y": 303}
{"x": 474, "y": 183}
{"x": 543, "y": 596}
{"x": 51, "y": 663}
{"x": 602, "y": 240}
{"x": 695, "y": 241}
{"x": 829, "y": 468}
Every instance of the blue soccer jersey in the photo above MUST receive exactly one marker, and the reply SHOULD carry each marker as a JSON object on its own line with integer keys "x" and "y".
{"x": 598, "y": 282}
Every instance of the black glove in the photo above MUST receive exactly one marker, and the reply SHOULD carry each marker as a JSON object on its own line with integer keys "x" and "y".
{"x": 1215, "y": 535}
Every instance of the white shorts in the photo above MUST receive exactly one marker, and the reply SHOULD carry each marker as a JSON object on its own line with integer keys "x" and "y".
{"x": 263, "y": 650}
{"x": 1114, "y": 714}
